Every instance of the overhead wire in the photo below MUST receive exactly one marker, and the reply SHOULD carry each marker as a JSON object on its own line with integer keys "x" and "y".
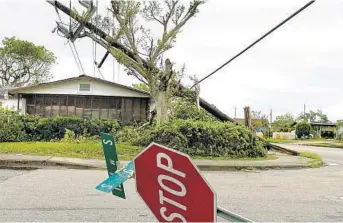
{"x": 79, "y": 65}
{"x": 258, "y": 40}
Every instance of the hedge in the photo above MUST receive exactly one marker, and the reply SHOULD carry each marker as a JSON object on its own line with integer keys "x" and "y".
{"x": 17, "y": 128}
{"x": 192, "y": 132}
{"x": 199, "y": 138}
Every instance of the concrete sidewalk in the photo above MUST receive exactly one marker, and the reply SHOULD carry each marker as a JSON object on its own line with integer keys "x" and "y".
{"x": 18, "y": 161}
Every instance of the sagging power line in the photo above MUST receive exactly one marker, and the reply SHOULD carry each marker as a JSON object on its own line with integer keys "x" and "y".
{"x": 258, "y": 40}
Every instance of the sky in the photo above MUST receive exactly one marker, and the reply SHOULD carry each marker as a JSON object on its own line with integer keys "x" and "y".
{"x": 300, "y": 63}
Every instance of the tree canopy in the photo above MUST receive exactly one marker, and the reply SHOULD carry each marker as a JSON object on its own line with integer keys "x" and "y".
{"x": 131, "y": 29}
{"x": 314, "y": 116}
{"x": 259, "y": 120}
{"x": 283, "y": 123}
{"x": 23, "y": 63}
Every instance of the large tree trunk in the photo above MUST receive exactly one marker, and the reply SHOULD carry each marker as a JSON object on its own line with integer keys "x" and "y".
{"x": 161, "y": 99}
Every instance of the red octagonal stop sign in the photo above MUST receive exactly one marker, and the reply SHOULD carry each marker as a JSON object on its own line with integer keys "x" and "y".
{"x": 172, "y": 186}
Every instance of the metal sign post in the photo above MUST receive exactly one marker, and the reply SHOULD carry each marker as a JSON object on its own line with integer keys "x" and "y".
{"x": 108, "y": 145}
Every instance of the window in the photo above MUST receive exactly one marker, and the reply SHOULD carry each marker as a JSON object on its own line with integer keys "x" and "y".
{"x": 85, "y": 87}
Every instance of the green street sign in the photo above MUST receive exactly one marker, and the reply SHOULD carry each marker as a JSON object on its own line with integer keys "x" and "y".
{"x": 111, "y": 158}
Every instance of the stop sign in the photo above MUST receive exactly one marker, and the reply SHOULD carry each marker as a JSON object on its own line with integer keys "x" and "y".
{"x": 172, "y": 186}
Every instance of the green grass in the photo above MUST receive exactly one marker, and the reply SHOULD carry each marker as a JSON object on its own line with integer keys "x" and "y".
{"x": 317, "y": 160}
{"x": 268, "y": 157}
{"x": 91, "y": 150}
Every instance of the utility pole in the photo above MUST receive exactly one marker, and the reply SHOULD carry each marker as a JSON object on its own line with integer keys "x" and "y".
{"x": 110, "y": 44}
{"x": 271, "y": 117}
{"x": 235, "y": 111}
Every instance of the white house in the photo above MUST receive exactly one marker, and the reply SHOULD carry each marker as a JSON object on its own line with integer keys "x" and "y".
{"x": 81, "y": 96}
{"x": 8, "y": 101}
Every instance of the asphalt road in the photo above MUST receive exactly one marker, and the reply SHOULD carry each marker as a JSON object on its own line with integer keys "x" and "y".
{"x": 331, "y": 156}
{"x": 70, "y": 195}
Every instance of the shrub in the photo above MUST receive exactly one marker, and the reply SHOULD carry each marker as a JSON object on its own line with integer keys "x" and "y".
{"x": 15, "y": 127}
{"x": 340, "y": 130}
{"x": 303, "y": 129}
{"x": 201, "y": 138}
{"x": 11, "y": 130}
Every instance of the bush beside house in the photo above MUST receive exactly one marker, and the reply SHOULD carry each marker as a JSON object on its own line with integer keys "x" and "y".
{"x": 189, "y": 130}
{"x": 303, "y": 129}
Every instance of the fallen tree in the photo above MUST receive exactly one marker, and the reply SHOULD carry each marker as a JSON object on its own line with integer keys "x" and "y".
{"x": 108, "y": 42}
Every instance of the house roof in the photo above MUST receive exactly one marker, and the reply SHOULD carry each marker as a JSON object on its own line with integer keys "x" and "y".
{"x": 4, "y": 90}
{"x": 319, "y": 124}
{"x": 81, "y": 77}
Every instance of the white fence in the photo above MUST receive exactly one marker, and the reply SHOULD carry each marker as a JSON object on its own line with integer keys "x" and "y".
{"x": 284, "y": 135}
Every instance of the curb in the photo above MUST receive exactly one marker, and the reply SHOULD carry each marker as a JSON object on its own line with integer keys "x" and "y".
{"x": 49, "y": 164}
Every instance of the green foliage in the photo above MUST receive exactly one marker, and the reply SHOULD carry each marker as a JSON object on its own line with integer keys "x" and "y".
{"x": 340, "y": 130}
{"x": 185, "y": 110}
{"x": 86, "y": 149}
{"x": 128, "y": 134}
{"x": 303, "y": 129}
{"x": 141, "y": 86}
{"x": 314, "y": 116}
{"x": 14, "y": 127}
{"x": 283, "y": 123}
{"x": 260, "y": 122}
{"x": 10, "y": 129}
{"x": 317, "y": 160}
{"x": 69, "y": 136}
{"x": 201, "y": 138}
{"x": 22, "y": 63}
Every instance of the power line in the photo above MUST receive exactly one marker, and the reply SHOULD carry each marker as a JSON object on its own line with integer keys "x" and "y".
{"x": 258, "y": 40}
{"x": 76, "y": 57}
{"x": 77, "y": 54}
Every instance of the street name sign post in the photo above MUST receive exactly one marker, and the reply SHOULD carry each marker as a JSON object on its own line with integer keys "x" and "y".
{"x": 118, "y": 178}
{"x": 110, "y": 152}
{"x": 170, "y": 185}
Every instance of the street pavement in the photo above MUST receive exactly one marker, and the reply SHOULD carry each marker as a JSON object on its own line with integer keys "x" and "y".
{"x": 331, "y": 156}
{"x": 301, "y": 195}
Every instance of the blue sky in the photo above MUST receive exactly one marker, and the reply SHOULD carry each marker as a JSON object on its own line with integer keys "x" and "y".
{"x": 299, "y": 63}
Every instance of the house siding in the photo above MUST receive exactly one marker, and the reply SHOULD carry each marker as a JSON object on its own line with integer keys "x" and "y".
{"x": 72, "y": 88}
{"x": 104, "y": 100}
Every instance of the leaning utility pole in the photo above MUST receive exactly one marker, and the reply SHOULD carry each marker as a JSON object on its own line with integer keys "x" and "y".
{"x": 110, "y": 44}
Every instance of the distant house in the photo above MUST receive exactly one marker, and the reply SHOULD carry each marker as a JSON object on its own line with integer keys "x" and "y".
{"x": 257, "y": 123}
{"x": 82, "y": 96}
{"x": 323, "y": 130}
{"x": 7, "y": 100}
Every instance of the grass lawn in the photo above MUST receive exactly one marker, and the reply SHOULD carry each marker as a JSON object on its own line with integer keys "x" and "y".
{"x": 317, "y": 160}
{"x": 91, "y": 150}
